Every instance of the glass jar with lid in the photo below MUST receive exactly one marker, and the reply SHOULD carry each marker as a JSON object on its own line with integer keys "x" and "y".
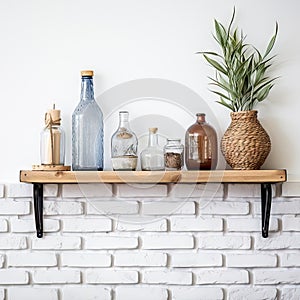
{"x": 173, "y": 154}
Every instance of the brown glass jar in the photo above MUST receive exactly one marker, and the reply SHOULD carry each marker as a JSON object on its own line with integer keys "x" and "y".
{"x": 201, "y": 146}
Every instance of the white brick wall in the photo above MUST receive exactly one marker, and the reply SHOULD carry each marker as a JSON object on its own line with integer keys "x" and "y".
{"x": 176, "y": 242}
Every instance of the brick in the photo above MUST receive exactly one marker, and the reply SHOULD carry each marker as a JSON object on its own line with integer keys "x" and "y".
{"x": 277, "y": 242}
{"x": 56, "y": 276}
{"x": 167, "y": 277}
{"x": 50, "y": 190}
{"x": 112, "y": 207}
{"x": 1, "y": 194}
{"x": 223, "y": 208}
{"x": 2, "y": 260}
{"x": 87, "y": 225}
{"x": 109, "y": 276}
{"x": 225, "y": 242}
{"x": 280, "y": 208}
{"x": 86, "y": 293}
{"x": 85, "y": 259}
{"x": 31, "y": 293}
{"x": 141, "y": 190}
{"x": 203, "y": 191}
{"x": 222, "y": 276}
{"x": 249, "y": 224}
{"x": 140, "y": 259}
{"x": 12, "y": 207}
{"x": 290, "y": 223}
{"x": 56, "y": 243}
{"x": 168, "y": 241}
{"x": 290, "y": 293}
{"x": 290, "y": 189}
{"x": 19, "y": 190}
{"x": 243, "y": 190}
{"x": 12, "y": 242}
{"x": 137, "y": 292}
{"x": 54, "y": 208}
{"x": 196, "y": 224}
{"x": 168, "y": 208}
{"x": 195, "y": 260}
{"x": 141, "y": 223}
{"x": 28, "y": 225}
{"x": 31, "y": 259}
{"x": 290, "y": 259}
{"x": 111, "y": 242}
{"x": 196, "y": 293}
{"x": 13, "y": 276}
{"x": 250, "y": 293}
{"x": 3, "y": 226}
{"x": 277, "y": 276}
{"x": 251, "y": 260}
{"x": 86, "y": 190}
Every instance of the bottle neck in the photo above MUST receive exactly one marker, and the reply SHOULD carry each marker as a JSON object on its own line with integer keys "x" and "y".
{"x": 200, "y": 118}
{"x": 123, "y": 120}
{"x": 153, "y": 139}
{"x": 87, "y": 89}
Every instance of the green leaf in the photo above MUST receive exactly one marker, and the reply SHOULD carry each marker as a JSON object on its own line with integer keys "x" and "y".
{"x": 215, "y": 64}
{"x": 272, "y": 41}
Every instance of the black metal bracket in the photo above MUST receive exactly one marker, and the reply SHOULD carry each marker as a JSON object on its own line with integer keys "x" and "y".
{"x": 38, "y": 208}
{"x": 266, "y": 201}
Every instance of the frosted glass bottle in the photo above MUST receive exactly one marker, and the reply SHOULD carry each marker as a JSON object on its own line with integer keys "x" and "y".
{"x": 87, "y": 129}
{"x": 124, "y": 145}
{"x": 152, "y": 158}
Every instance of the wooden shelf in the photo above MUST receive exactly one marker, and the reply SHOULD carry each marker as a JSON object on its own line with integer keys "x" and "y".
{"x": 264, "y": 177}
{"x": 221, "y": 176}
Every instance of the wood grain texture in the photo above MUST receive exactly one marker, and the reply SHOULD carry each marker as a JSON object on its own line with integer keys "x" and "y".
{"x": 229, "y": 176}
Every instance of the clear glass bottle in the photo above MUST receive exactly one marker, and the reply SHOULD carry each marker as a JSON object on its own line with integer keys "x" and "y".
{"x": 152, "y": 158}
{"x": 87, "y": 129}
{"x": 124, "y": 145}
{"x": 52, "y": 139}
{"x": 201, "y": 149}
{"x": 173, "y": 153}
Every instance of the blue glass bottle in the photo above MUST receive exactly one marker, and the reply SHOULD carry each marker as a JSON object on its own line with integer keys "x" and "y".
{"x": 87, "y": 129}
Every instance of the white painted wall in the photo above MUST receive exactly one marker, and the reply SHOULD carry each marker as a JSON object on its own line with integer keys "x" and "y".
{"x": 44, "y": 45}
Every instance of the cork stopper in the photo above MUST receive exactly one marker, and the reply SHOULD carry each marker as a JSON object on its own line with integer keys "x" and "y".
{"x": 153, "y": 130}
{"x": 87, "y": 73}
{"x": 55, "y": 116}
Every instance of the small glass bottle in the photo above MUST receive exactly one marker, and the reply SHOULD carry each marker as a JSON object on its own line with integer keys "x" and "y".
{"x": 87, "y": 129}
{"x": 201, "y": 150}
{"x": 52, "y": 139}
{"x": 173, "y": 152}
{"x": 124, "y": 145}
{"x": 152, "y": 158}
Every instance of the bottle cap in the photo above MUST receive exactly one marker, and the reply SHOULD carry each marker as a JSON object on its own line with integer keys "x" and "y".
{"x": 153, "y": 129}
{"x": 87, "y": 73}
{"x": 55, "y": 116}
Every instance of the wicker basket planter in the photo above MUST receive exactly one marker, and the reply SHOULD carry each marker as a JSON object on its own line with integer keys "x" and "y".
{"x": 245, "y": 144}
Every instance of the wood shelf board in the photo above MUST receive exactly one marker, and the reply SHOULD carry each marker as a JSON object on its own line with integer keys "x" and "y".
{"x": 218, "y": 176}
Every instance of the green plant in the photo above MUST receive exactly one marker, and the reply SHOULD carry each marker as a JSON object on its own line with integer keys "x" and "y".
{"x": 241, "y": 69}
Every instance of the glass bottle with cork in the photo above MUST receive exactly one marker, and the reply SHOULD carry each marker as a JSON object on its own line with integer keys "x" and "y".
{"x": 152, "y": 158}
{"x": 87, "y": 129}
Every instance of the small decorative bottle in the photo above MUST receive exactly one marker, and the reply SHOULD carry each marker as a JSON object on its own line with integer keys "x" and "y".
{"x": 124, "y": 145}
{"x": 152, "y": 158}
{"x": 87, "y": 129}
{"x": 52, "y": 140}
{"x": 201, "y": 150}
{"x": 173, "y": 152}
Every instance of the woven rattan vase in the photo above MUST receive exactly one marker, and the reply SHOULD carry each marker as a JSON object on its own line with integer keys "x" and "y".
{"x": 245, "y": 144}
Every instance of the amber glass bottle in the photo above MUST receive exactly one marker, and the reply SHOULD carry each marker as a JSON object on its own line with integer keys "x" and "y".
{"x": 201, "y": 149}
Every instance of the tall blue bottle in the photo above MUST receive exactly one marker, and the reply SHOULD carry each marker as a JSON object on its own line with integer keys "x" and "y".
{"x": 87, "y": 129}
